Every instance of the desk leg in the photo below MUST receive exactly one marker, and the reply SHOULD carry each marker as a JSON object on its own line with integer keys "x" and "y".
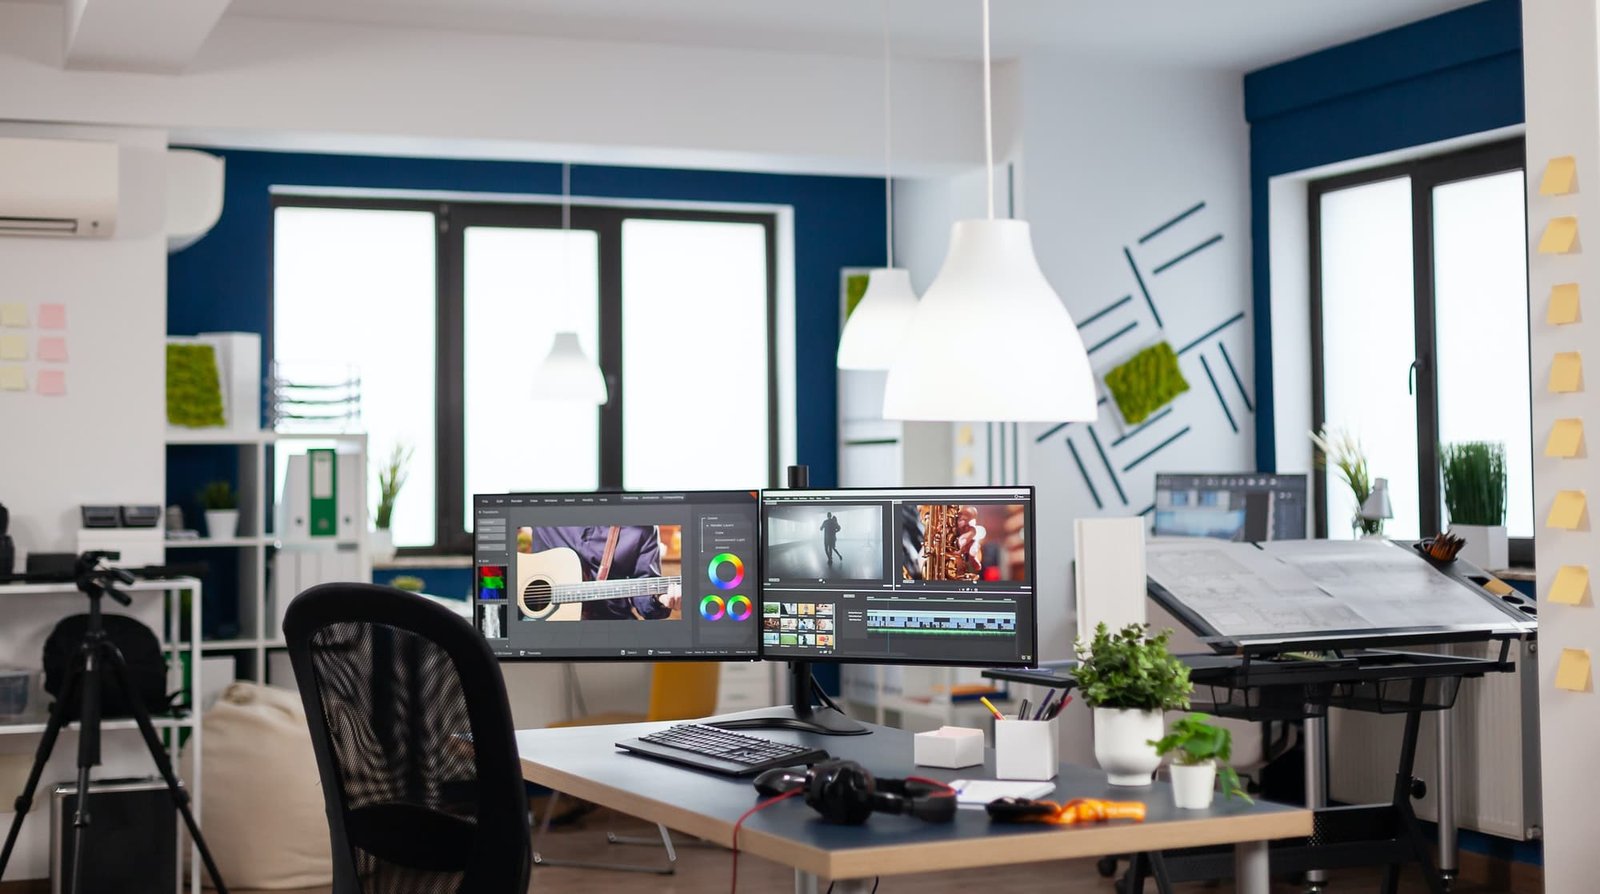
{"x": 1446, "y": 796}
{"x": 1251, "y": 874}
{"x": 806, "y": 883}
{"x": 1316, "y": 777}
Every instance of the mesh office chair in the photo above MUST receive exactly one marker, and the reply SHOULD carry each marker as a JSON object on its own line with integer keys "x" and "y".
{"x": 414, "y": 744}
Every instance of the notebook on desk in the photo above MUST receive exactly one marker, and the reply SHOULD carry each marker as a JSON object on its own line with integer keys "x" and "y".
{"x": 979, "y": 792}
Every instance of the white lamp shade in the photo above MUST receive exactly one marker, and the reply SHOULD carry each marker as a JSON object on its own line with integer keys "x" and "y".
{"x": 568, "y": 374}
{"x": 1377, "y": 504}
{"x": 873, "y": 332}
{"x": 991, "y": 341}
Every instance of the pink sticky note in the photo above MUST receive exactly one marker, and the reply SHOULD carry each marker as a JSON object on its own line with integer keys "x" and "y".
{"x": 53, "y": 350}
{"x": 52, "y": 382}
{"x": 52, "y": 316}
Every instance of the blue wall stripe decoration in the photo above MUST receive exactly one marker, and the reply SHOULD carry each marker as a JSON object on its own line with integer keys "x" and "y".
{"x": 1452, "y": 75}
{"x": 1237, "y": 380}
{"x": 1218, "y": 392}
{"x": 1156, "y": 449}
{"x": 1188, "y": 254}
{"x": 1105, "y": 310}
{"x": 223, "y": 282}
{"x": 1210, "y": 332}
{"x": 1171, "y": 223}
{"x": 1088, "y": 482}
{"x": 1109, "y": 471}
{"x": 1142, "y": 426}
{"x": 1142, "y": 290}
{"x": 1114, "y": 336}
{"x": 1047, "y": 433}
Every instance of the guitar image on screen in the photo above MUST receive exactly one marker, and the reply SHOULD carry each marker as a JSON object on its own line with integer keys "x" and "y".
{"x": 550, "y": 585}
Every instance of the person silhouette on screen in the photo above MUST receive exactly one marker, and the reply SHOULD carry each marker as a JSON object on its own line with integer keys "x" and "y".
{"x": 830, "y": 539}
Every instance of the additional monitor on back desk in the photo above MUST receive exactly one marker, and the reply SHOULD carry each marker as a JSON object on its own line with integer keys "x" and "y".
{"x": 1234, "y": 506}
{"x": 680, "y": 582}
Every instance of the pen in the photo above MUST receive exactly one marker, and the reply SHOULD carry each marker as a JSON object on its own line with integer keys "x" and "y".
{"x": 1022, "y": 710}
{"x": 1061, "y": 705}
{"x": 992, "y": 709}
{"x": 1044, "y": 707}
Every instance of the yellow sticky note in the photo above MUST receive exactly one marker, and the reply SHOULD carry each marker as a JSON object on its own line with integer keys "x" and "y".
{"x": 13, "y": 347}
{"x": 12, "y": 378}
{"x": 964, "y": 435}
{"x": 966, "y": 467}
{"x": 1572, "y": 673}
{"x": 1567, "y": 510}
{"x": 1570, "y": 586}
{"x": 1566, "y": 438}
{"x": 1563, "y": 304}
{"x": 1566, "y": 372}
{"x": 1560, "y": 235}
{"x": 14, "y": 315}
{"x": 1497, "y": 586}
{"x": 1560, "y": 176}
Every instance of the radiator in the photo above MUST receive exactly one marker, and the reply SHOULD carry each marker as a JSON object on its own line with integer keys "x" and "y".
{"x": 1496, "y": 725}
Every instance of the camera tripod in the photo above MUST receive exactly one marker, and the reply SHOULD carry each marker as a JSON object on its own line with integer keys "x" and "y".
{"x": 97, "y": 656}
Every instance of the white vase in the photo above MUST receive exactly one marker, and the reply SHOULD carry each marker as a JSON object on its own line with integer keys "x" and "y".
{"x": 1486, "y": 545}
{"x": 381, "y": 542}
{"x": 1122, "y": 746}
{"x": 222, "y": 524}
{"x": 1194, "y": 785}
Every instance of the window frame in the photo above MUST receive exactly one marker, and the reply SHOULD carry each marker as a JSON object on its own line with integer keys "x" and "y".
{"x": 1425, "y": 174}
{"x": 452, "y": 218}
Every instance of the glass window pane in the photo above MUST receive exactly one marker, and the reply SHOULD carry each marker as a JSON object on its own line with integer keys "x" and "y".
{"x": 1369, "y": 341}
{"x": 1480, "y": 274}
{"x": 355, "y": 288}
{"x": 522, "y": 286}
{"x": 694, "y": 299}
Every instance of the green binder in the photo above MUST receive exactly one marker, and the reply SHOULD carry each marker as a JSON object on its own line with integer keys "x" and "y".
{"x": 324, "y": 502}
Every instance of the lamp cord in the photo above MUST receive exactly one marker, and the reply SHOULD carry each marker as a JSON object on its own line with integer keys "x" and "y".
{"x": 888, "y": 137}
{"x": 988, "y": 116}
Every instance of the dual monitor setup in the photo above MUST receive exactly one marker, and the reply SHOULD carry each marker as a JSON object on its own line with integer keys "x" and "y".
{"x": 939, "y": 576}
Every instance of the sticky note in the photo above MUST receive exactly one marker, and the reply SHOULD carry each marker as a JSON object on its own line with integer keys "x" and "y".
{"x": 1566, "y": 372}
{"x": 1572, "y": 673}
{"x": 1560, "y": 236}
{"x": 964, "y": 435}
{"x": 1567, "y": 510}
{"x": 966, "y": 468}
{"x": 1560, "y": 176}
{"x": 1570, "y": 586}
{"x": 1566, "y": 438}
{"x": 1563, "y": 307}
{"x": 52, "y": 316}
{"x": 52, "y": 382}
{"x": 14, "y": 315}
{"x": 53, "y": 349}
{"x": 13, "y": 347}
{"x": 12, "y": 378}
{"x": 1497, "y": 586}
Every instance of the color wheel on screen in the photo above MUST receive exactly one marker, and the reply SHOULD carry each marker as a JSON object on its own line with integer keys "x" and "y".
{"x": 711, "y": 607}
{"x": 715, "y": 569}
{"x": 739, "y": 608}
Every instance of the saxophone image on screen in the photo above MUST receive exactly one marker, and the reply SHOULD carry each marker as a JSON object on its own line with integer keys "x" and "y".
{"x": 944, "y": 556}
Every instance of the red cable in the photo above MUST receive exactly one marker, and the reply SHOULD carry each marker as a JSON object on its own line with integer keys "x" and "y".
{"x": 761, "y": 805}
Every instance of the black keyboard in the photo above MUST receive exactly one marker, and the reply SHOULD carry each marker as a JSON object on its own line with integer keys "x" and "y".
{"x": 720, "y": 751}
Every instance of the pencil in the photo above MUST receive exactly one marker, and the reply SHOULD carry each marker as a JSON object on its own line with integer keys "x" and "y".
{"x": 992, "y": 709}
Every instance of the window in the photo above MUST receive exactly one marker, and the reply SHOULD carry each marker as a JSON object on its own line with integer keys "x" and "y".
{"x": 1420, "y": 329}
{"x": 444, "y": 310}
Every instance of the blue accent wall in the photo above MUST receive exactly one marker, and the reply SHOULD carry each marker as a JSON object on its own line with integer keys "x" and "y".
{"x": 1452, "y": 75}
{"x": 224, "y": 281}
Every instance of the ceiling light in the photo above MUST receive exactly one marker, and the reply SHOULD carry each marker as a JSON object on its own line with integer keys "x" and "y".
{"x": 567, "y": 373}
{"x": 991, "y": 340}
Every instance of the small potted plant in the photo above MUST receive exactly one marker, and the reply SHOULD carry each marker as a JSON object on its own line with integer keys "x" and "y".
{"x": 1475, "y": 496}
{"x": 1200, "y": 753}
{"x": 1344, "y": 452}
{"x": 222, "y": 510}
{"x": 391, "y": 478}
{"x": 1129, "y": 678}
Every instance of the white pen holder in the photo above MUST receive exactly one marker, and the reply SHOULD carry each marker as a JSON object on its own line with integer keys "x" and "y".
{"x": 1026, "y": 749}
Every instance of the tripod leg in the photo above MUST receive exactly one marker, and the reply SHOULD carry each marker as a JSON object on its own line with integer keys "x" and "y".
{"x": 88, "y": 758}
{"x": 180, "y": 795}
{"x": 47, "y": 744}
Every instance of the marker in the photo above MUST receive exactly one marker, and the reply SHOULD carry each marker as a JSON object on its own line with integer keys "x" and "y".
{"x": 992, "y": 709}
{"x": 1022, "y": 710}
{"x": 1060, "y": 706}
{"x": 1044, "y": 707}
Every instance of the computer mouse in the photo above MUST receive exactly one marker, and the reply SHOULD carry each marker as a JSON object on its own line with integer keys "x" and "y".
{"x": 779, "y": 780}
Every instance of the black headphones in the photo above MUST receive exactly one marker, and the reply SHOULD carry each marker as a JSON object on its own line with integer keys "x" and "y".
{"x": 845, "y": 792}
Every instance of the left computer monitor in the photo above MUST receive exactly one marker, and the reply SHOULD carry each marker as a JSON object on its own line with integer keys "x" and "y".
{"x": 617, "y": 576}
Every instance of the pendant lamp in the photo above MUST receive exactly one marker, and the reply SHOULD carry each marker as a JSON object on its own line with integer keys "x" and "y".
{"x": 873, "y": 331}
{"x": 991, "y": 341}
{"x": 567, "y": 373}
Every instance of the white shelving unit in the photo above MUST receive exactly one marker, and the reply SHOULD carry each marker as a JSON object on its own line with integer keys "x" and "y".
{"x": 27, "y": 613}
{"x": 258, "y": 634}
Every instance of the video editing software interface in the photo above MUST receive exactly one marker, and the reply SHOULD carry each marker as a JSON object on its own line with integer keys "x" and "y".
{"x": 899, "y": 576}
{"x": 617, "y": 575}
{"x": 1245, "y": 506}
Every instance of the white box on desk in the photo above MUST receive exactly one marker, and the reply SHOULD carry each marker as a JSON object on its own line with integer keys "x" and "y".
{"x": 951, "y": 747}
{"x": 1026, "y": 749}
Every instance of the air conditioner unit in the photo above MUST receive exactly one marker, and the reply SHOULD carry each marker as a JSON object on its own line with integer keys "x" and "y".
{"x": 57, "y": 187}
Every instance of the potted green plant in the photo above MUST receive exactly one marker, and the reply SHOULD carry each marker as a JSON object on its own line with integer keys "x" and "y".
{"x": 1344, "y": 452}
{"x": 1200, "y": 753}
{"x": 1129, "y": 678}
{"x": 391, "y": 478}
{"x": 221, "y": 506}
{"x": 1475, "y": 497}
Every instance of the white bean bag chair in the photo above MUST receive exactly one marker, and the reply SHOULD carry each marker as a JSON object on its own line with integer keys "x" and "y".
{"x": 261, "y": 797}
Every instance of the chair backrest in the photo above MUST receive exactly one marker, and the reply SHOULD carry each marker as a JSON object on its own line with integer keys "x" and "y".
{"x": 683, "y": 690}
{"x": 414, "y": 744}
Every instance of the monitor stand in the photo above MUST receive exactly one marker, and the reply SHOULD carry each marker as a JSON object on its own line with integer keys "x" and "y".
{"x": 823, "y": 719}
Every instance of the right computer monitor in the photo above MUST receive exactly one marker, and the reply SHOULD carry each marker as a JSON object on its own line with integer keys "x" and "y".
{"x": 899, "y": 576}
{"x": 1245, "y": 506}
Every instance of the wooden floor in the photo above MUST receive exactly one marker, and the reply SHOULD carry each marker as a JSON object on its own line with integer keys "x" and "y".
{"x": 702, "y": 869}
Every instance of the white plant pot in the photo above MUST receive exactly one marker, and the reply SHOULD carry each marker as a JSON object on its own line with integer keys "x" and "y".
{"x": 1194, "y": 786}
{"x": 1121, "y": 744}
{"x": 1486, "y": 545}
{"x": 222, "y": 524}
{"x": 381, "y": 542}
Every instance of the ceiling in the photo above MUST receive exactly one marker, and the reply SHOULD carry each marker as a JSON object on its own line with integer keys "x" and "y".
{"x": 1221, "y": 34}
